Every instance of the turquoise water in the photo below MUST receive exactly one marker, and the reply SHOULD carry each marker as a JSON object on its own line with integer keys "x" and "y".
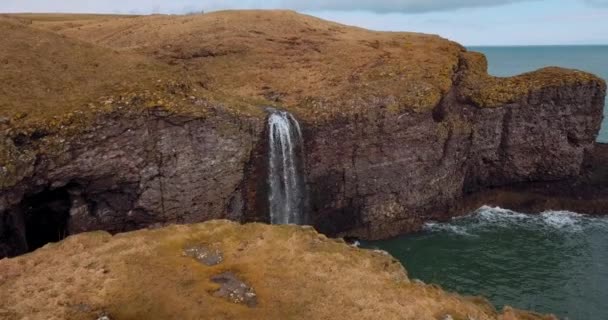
{"x": 555, "y": 262}
{"x": 508, "y": 61}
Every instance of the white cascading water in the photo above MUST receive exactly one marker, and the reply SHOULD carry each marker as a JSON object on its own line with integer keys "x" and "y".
{"x": 287, "y": 194}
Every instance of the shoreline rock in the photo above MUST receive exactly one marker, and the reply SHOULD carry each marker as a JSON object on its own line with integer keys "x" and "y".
{"x": 387, "y": 174}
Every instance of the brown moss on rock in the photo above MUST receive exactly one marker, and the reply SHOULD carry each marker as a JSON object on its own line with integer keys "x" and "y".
{"x": 484, "y": 90}
{"x": 295, "y": 272}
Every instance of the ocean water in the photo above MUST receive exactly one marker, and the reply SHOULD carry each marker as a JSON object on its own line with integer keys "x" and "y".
{"x": 555, "y": 262}
{"x": 508, "y": 61}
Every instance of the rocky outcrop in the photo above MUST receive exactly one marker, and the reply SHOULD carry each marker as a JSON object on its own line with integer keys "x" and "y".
{"x": 388, "y": 173}
{"x": 585, "y": 193}
{"x": 398, "y": 127}
{"x": 128, "y": 171}
{"x": 268, "y": 272}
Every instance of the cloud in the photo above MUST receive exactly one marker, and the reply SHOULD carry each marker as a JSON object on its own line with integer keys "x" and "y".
{"x": 180, "y": 6}
{"x": 402, "y": 6}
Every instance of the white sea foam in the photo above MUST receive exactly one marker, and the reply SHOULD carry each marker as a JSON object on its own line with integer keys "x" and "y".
{"x": 562, "y": 219}
{"x": 499, "y": 215}
{"x": 446, "y": 227}
{"x": 496, "y": 217}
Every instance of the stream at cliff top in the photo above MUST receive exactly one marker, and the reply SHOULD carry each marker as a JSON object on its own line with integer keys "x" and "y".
{"x": 555, "y": 262}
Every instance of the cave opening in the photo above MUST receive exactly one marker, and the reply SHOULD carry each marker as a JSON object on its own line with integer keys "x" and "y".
{"x": 46, "y": 216}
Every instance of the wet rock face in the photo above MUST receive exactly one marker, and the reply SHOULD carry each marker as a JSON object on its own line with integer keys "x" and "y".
{"x": 383, "y": 174}
{"x": 372, "y": 175}
{"x": 134, "y": 171}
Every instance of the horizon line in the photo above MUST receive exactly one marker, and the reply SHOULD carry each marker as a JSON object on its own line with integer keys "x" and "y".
{"x": 134, "y": 14}
{"x": 538, "y": 45}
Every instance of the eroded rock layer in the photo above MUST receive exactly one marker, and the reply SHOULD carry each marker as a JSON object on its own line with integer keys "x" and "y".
{"x": 135, "y": 170}
{"x": 386, "y": 173}
{"x": 160, "y": 119}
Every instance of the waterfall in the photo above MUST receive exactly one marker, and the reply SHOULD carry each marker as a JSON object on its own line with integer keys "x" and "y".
{"x": 287, "y": 195}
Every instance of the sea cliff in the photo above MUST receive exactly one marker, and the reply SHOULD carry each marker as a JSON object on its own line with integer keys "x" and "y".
{"x": 119, "y": 123}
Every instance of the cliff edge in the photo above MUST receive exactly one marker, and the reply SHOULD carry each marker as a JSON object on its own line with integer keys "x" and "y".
{"x": 222, "y": 270}
{"x": 121, "y": 122}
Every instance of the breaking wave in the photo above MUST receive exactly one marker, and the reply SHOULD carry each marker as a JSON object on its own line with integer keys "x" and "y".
{"x": 447, "y": 227}
{"x": 552, "y": 262}
{"x": 488, "y": 217}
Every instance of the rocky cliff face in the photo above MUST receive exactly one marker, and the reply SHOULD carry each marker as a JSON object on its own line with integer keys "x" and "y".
{"x": 387, "y": 173}
{"x": 397, "y": 126}
{"x": 130, "y": 170}
{"x": 222, "y": 270}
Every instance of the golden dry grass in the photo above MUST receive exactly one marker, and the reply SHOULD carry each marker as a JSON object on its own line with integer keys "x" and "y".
{"x": 297, "y": 57}
{"x": 487, "y": 91}
{"x": 296, "y": 273}
{"x": 57, "y": 64}
{"x": 44, "y": 74}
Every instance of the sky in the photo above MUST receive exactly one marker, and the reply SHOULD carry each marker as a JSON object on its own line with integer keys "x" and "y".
{"x": 470, "y": 22}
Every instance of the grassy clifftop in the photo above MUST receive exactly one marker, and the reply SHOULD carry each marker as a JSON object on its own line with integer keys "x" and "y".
{"x": 56, "y": 64}
{"x": 285, "y": 57}
{"x": 44, "y": 74}
{"x": 291, "y": 272}
{"x": 487, "y": 91}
